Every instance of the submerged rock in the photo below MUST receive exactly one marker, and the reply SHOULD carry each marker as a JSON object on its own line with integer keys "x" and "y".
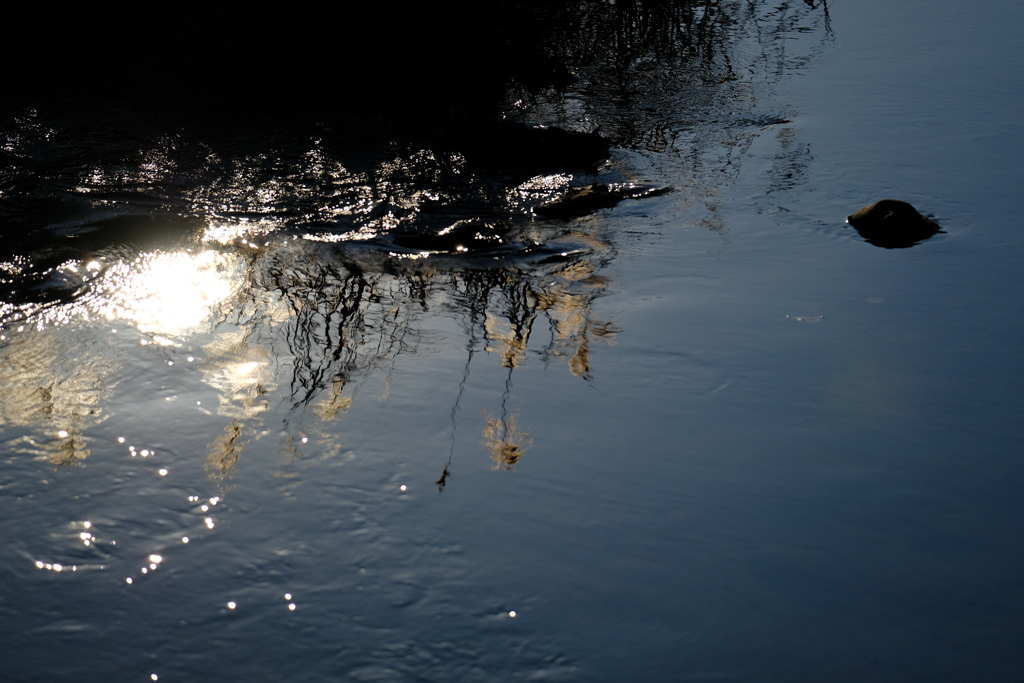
{"x": 892, "y": 224}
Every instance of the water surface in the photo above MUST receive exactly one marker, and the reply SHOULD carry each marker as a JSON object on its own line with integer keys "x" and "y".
{"x": 707, "y": 434}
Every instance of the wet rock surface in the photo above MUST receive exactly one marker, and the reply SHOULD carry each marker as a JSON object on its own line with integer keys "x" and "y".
{"x": 892, "y": 224}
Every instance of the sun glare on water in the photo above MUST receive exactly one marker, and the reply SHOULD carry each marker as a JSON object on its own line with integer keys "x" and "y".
{"x": 165, "y": 293}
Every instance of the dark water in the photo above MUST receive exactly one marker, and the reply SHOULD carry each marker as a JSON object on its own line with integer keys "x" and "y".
{"x": 708, "y": 434}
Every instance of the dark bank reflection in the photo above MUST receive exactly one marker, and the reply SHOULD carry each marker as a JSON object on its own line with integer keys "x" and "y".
{"x": 297, "y": 252}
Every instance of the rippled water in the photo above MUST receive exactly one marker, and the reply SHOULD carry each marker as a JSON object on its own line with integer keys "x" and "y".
{"x": 315, "y": 401}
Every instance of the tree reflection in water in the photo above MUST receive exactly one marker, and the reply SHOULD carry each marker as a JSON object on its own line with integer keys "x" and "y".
{"x": 358, "y": 316}
{"x": 299, "y": 320}
{"x": 43, "y": 389}
{"x": 307, "y": 257}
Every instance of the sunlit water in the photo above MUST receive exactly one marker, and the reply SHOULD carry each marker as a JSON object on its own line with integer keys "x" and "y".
{"x": 712, "y": 434}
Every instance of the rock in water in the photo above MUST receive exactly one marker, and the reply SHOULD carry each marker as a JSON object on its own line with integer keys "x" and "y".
{"x": 892, "y": 224}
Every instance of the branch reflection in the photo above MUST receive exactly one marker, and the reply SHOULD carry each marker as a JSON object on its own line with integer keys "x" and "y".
{"x": 505, "y": 440}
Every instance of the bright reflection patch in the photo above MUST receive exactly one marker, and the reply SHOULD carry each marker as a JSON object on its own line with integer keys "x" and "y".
{"x": 166, "y": 293}
{"x": 246, "y": 368}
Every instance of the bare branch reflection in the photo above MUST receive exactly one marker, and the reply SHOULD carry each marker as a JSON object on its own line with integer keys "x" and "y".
{"x": 505, "y": 440}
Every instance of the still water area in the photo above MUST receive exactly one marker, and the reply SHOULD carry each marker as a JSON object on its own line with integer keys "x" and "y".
{"x": 600, "y": 388}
